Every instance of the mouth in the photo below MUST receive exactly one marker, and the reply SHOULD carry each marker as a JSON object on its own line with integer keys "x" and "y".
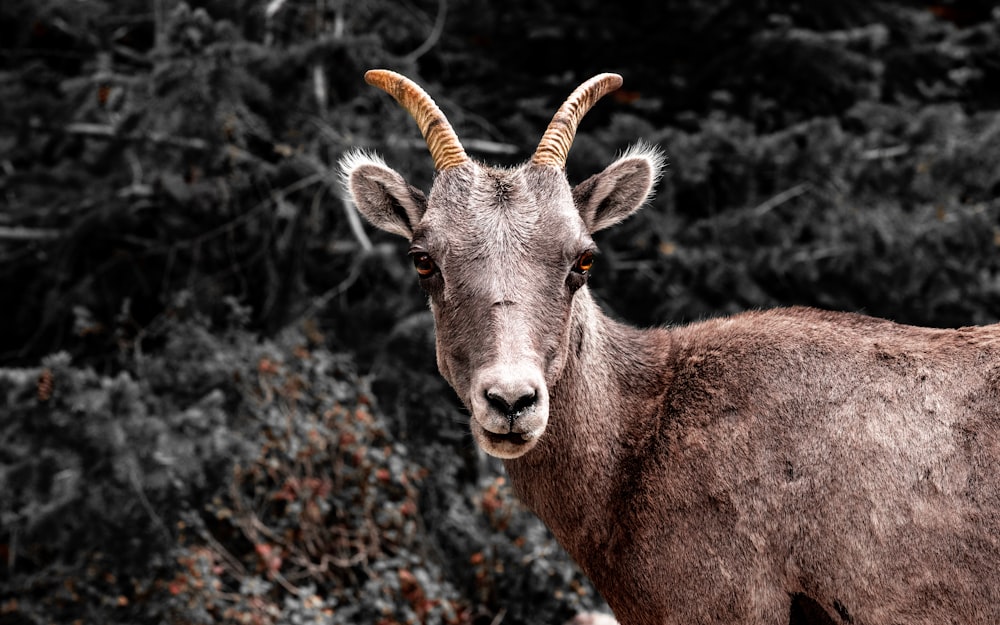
{"x": 504, "y": 445}
{"x": 513, "y": 438}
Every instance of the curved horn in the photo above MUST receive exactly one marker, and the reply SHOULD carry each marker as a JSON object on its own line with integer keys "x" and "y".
{"x": 445, "y": 148}
{"x": 558, "y": 137}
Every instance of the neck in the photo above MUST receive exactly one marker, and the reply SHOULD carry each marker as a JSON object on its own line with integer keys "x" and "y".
{"x": 611, "y": 379}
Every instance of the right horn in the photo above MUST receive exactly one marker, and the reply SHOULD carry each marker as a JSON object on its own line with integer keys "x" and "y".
{"x": 441, "y": 139}
{"x": 554, "y": 146}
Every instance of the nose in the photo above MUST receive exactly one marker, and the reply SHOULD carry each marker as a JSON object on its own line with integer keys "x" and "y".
{"x": 510, "y": 408}
{"x": 511, "y": 400}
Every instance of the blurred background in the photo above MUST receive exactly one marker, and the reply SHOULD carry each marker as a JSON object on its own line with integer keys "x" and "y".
{"x": 220, "y": 403}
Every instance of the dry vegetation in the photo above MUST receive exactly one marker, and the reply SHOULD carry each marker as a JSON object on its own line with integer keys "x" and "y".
{"x": 220, "y": 402}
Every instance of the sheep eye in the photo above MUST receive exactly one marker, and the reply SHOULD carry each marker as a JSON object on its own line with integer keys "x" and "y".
{"x": 584, "y": 262}
{"x": 424, "y": 264}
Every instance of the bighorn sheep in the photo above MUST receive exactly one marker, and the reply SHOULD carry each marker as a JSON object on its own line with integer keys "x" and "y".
{"x": 718, "y": 472}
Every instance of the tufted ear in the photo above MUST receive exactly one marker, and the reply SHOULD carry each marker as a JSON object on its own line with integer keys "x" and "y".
{"x": 381, "y": 194}
{"x": 606, "y": 198}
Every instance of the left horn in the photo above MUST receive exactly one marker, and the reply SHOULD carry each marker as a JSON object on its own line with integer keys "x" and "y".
{"x": 446, "y": 150}
{"x": 554, "y": 146}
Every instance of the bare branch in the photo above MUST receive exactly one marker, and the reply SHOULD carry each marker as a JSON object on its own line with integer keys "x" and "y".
{"x": 889, "y": 152}
{"x": 781, "y": 198}
{"x": 273, "y": 7}
{"x": 434, "y": 35}
{"x": 18, "y": 233}
{"x": 101, "y": 131}
{"x": 160, "y": 24}
{"x": 483, "y": 146}
{"x": 319, "y": 86}
{"x": 355, "y": 223}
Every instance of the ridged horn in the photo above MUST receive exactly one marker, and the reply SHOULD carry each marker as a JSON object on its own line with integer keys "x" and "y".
{"x": 558, "y": 137}
{"x": 441, "y": 139}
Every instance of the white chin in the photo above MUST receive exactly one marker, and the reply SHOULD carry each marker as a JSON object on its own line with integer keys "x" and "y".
{"x": 504, "y": 446}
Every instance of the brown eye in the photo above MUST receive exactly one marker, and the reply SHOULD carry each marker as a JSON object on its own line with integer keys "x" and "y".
{"x": 424, "y": 264}
{"x": 584, "y": 262}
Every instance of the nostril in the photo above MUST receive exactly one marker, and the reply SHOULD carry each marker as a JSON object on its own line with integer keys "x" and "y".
{"x": 524, "y": 402}
{"x": 511, "y": 407}
{"x": 497, "y": 402}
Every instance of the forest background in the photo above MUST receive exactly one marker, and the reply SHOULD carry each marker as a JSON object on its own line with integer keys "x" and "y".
{"x": 220, "y": 401}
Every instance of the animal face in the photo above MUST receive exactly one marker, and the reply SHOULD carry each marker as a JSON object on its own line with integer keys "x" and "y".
{"x": 502, "y": 254}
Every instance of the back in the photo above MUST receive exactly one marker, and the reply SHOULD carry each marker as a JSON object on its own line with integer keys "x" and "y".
{"x": 846, "y": 458}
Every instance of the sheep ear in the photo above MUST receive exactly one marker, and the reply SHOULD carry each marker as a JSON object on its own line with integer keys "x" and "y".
{"x": 622, "y": 188}
{"x": 382, "y": 195}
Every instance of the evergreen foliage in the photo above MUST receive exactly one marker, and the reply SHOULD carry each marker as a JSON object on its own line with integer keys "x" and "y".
{"x": 220, "y": 399}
